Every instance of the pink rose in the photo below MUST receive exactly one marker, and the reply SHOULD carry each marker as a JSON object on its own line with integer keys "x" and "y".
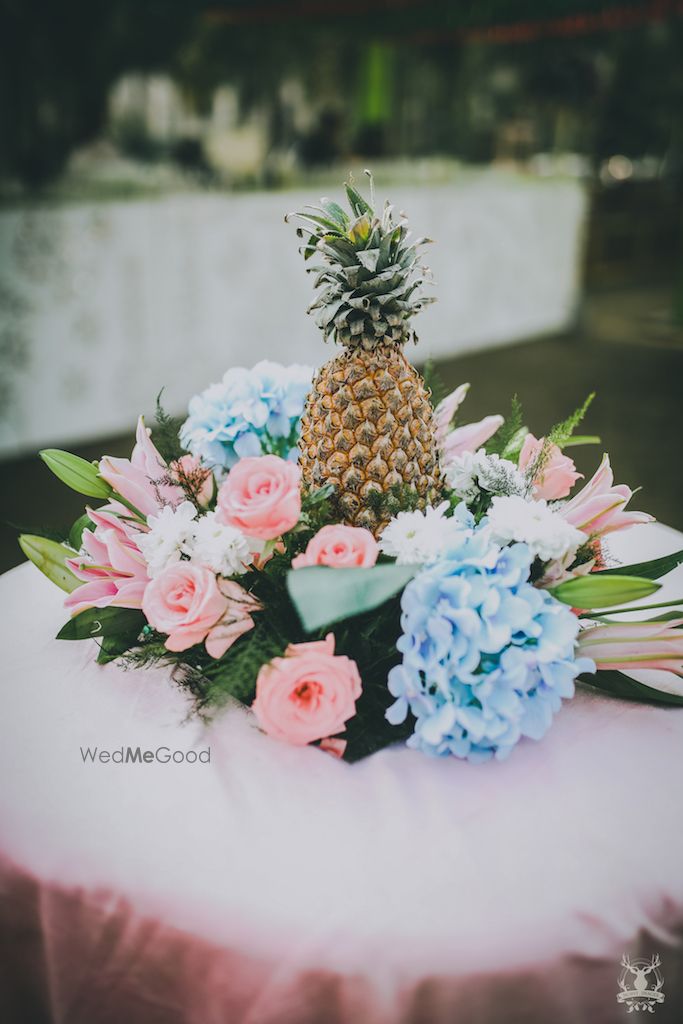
{"x": 261, "y": 497}
{"x": 558, "y": 474}
{"x": 185, "y": 602}
{"x": 235, "y": 621}
{"x": 308, "y": 695}
{"x": 342, "y": 547}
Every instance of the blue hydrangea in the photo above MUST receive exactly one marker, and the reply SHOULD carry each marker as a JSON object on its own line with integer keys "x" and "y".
{"x": 250, "y": 412}
{"x": 487, "y": 657}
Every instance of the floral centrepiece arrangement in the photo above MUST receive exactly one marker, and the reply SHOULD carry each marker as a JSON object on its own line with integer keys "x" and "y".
{"x": 357, "y": 566}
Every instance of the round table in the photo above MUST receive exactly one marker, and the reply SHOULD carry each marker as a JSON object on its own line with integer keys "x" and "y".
{"x": 263, "y": 883}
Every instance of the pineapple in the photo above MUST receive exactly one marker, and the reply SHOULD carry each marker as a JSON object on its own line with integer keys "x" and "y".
{"x": 368, "y": 423}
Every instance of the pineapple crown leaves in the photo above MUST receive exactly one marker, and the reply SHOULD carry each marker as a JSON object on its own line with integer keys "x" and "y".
{"x": 370, "y": 279}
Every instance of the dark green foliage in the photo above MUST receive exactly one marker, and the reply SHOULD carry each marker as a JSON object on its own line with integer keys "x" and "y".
{"x": 399, "y": 498}
{"x": 619, "y": 685}
{"x": 235, "y": 674}
{"x": 109, "y": 622}
{"x": 370, "y": 641}
{"x": 166, "y": 433}
{"x": 562, "y": 432}
{"x": 506, "y": 434}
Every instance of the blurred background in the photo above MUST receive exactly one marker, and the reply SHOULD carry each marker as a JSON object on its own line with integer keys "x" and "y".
{"x": 149, "y": 150}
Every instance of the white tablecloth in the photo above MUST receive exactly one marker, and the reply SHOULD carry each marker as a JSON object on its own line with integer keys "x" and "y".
{"x": 276, "y": 884}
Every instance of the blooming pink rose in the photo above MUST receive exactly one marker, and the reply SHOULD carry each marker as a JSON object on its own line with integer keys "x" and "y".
{"x": 235, "y": 621}
{"x": 188, "y": 470}
{"x": 308, "y": 695}
{"x": 470, "y": 437}
{"x": 558, "y": 474}
{"x": 342, "y": 547}
{"x": 185, "y": 602}
{"x": 144, "y": 479}
{"x": 111, "y": 565}
{"x": 598, "y": 508}
{"x": 261, "y": 497}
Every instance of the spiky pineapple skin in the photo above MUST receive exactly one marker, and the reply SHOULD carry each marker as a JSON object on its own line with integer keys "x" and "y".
{"x": 368, "y": 425}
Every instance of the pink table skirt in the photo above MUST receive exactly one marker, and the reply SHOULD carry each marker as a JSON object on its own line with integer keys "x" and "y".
{"x": 275, "y": 885}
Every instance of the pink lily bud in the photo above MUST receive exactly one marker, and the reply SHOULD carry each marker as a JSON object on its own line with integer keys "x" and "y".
{"x": 470, "y": 437}
{"x": 635, "y": 645}
{"x": 598, "y": 508}
{"x": 143, "y": 480}
{"x": 446, "y": 410}
{"x": 558, "y": 474}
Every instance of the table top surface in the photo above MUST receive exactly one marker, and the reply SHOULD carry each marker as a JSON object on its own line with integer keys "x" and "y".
{"x": 568, "y": 847}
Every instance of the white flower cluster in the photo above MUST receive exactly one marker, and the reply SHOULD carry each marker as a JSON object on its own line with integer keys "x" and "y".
{"x": 473, "y": 472}
{"x": 178, "y": 532}
{"x": 548, "y": 535}
{"x": 420, "y": 536}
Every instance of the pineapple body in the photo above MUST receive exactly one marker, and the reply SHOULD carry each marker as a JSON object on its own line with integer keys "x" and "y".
{"x": 368, "y": 426}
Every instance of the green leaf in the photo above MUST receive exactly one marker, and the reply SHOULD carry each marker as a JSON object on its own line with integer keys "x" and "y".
{"x": 50, "y": 557}
{"x": 599, "y": 590}
{"x": 578, "y": 439}
{"x": 335, "y": 212}
{"x": 356, "y": 201}
{"x": 103, "y": 622}
{"x": 562, "y": 432}
{"x": 84, "y": 522}
{"x": 620, "y": 685}
{"x": 510, "y": 434}
{"x": 112, "y": 647}
{"x": 651, "y": 570}
{"x": 322, "y": 595}
{"x": 81, "y": 476}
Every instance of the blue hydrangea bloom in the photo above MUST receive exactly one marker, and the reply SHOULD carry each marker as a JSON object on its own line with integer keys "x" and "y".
{"x": 487, "y": 657}
{"x": 250, "y": 412}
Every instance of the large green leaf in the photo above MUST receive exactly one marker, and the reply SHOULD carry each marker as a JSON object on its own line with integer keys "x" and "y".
{"x": 651, "y": 570}
{"x": 322, "y": 595}
{"x": 619, "y": 685}
{"x": 112, "y": 647}
{"x": 81, "y": 476}
{"x": 50, "y": 557}
{"x": 599, "y": 590}
{"x": 103, "y": 622}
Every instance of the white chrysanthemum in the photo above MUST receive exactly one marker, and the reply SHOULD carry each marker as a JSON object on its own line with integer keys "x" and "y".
{"x": 472, "y": 472}
{"x": 170, "y": 536}
{"x": 548, "y": 535}
{"x": 221, "y": 548}
{"x": 420, "y": 536}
